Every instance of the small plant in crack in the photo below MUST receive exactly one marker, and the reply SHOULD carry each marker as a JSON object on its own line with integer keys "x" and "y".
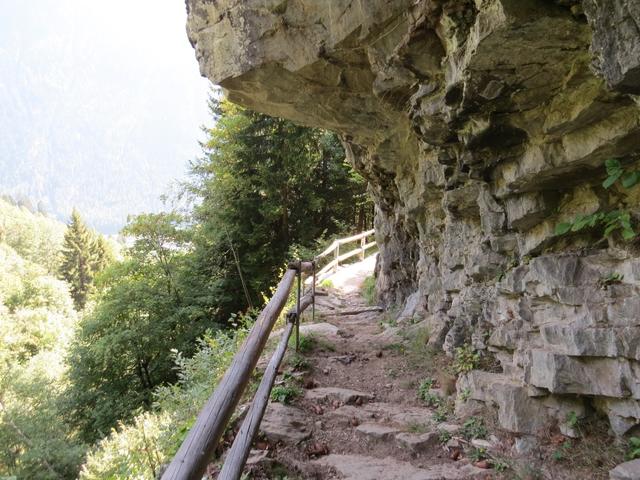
{"x": 466, "y": 359}
{"x": 473, "y": 427}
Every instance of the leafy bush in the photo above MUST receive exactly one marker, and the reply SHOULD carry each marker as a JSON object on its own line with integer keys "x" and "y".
{"x": 136, "y": 450}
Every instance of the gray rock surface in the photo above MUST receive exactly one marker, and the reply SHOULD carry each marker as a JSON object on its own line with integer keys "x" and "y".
{"x": 356, "y": 467}
{"x": 480, "y": 126}
{"x": 282, "y": 423}
{"x": 342, "y": 395}
{"x": 626, "y": 471}
{"x": 376, "y": 431}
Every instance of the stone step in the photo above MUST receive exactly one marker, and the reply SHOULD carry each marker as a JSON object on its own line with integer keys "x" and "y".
{"x": 323, "y": 329}
{"x": 342, "y": 395}
{"x": 417, "y": 442}
{"x": 360, "y": 467}
{"x": 282, "y": 423}
{"x": 401, "y": 416}
{"x": 376, "y": 431}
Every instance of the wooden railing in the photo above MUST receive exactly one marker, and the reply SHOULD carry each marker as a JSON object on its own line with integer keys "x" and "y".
{"x": 334, "y": 249}
{"x": 197, "y": 449}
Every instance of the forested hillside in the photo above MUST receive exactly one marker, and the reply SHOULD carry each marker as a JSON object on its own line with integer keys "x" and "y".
{"x": 37, "y": 321}
{"x": 111, "y": 364}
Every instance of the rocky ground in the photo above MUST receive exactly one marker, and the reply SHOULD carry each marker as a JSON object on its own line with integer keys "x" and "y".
{"x": 354, "y": 404}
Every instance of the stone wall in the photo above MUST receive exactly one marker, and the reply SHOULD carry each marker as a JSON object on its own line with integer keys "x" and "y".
{"x": 480, "y": 125}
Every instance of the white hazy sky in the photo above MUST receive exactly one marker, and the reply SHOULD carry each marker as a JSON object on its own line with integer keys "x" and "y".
{"x": 105, "y": 94}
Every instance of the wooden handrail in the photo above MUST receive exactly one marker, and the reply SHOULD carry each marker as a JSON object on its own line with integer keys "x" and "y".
{"x": 341, "y": 241}
{"x": 198, "y": 447}
{"x": 237, "y": 455}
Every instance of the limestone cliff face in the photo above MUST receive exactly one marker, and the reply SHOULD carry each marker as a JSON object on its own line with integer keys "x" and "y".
{"x": 480, "y": 124}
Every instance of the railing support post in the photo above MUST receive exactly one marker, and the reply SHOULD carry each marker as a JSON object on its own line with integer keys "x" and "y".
{"x": 298, "y": 306}
{"x": 363, "y": 242}
{"x": 313, "y": 294}
{"x": 337, "y": 257}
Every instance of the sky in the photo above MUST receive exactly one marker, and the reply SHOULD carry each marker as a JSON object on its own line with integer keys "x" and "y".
{"x": 101, "y": 104}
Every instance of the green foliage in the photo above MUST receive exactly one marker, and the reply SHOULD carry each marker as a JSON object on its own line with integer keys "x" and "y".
{"x": 442, "y": 412}
{"x": 633, "y": 450}
{"x": 473, "y": 427}
{"x": 478, "y": 454}
{"x": 499, "y": 465}
{"x": 610, "y": 222}
{"x": 253, "y": 191}
{"x": 298, "y": 362}
{"x": 616, "y": 220}
{"x": 465, "y": 394}
{"x": 34, "y": 237}
{"x": 122, "y": 350}
{"x": 426, "y": 395}
{"x": 138, "y": 448}
{"x": 84, "y": 254}
{"x": 572, "y": 419}
{"x": 37, "y": 321}
{"x": 615, "y": 171}
{"x": 466, "y": 359}
{"x": 306, "y": 343}
{"x": 444, "y": 436}
{"x": 326, "y": 283}
{"x": 369, "y": 289}
{"x": 285, "y": 394}
{"x": 610, "y": 279}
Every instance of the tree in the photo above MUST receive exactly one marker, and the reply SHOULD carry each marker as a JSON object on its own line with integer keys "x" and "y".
{"x": 83, "y": 255}
{"x": 122, "y": 351}
{"x": 264, "y": 185}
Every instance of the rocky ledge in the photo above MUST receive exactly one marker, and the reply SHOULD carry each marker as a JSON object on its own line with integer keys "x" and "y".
{"x": 480, "y": 125}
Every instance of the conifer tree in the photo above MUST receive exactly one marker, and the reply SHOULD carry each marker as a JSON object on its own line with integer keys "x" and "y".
{"x": 78, "y": 259}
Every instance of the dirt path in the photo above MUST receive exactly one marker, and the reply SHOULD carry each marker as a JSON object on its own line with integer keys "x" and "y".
{"x": 348, "y": 402}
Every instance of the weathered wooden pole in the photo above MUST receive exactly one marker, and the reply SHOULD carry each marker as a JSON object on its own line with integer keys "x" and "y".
{"x": 237, "y": 455}
{"x": 198, "y": 447}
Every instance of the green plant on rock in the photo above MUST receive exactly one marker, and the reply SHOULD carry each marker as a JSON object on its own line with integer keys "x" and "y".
{"x": 478, "y": 454}
{"x": 615, "y": 172}
{"x": 499, "y": 465}
{"x": 616, "y": 220}
{"x": 326, "y": 283}
{"x": 610, "y": 279}
{"x": 442, "y": 412}
{"x": 572, "y": 419}
{"x": 466, "y": 359}
{"x": 473, "y": 427}
{"x": 298, "y": 362}
{"x": 426, "y": 395}
{"x": 444, "y": 436}
{"x": 285, "y": 394}
{"x": 465, "y": 394}
{"x": 613, "y": 221}
{"x": 633, "y": 450}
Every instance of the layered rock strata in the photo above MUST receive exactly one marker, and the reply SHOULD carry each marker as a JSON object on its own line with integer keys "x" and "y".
{"x": 480, "y": 125}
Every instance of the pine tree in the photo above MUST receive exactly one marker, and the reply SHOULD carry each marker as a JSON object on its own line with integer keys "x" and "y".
{"x": 78, "y": 259}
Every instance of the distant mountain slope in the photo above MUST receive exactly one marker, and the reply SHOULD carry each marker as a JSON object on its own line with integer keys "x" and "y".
{"x": 101, "y": 105}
